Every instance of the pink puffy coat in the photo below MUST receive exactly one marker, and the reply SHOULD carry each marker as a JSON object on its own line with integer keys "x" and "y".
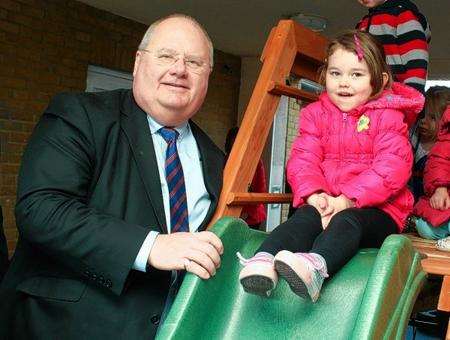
{"x": 436, "y": 174}
{"x": 364, "y": 154}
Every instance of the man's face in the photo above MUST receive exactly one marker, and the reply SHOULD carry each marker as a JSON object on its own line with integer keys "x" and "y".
{"x": 171, "y": 75}
{"x": 371, "y": 3}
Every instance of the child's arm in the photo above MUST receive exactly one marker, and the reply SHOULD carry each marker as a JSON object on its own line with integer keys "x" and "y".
{"x": 437, "y": 168}
{"x": 440, "y": 199}
{"x": 412, "y": 47}
{"x": 303, "y": 167}
{"x": 391, "y": 164}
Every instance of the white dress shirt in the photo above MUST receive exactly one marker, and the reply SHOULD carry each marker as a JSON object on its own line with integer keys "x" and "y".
{"x": 198, "y": 200}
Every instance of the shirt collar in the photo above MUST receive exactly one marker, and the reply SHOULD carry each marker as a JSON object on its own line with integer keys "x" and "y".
{"x": 182, "y": 129}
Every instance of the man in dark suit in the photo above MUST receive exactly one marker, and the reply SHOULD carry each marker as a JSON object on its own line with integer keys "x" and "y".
{"x": 97, "y": 243}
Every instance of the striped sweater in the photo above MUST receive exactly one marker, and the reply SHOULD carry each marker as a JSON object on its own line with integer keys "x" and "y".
{"x": 404, "y": 33}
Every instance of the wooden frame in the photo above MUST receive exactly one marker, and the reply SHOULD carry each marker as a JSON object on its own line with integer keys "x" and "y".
{"x": 290, "y": 49}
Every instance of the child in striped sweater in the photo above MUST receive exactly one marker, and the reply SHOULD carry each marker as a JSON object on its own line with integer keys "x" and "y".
{"x": 404, "y": 33}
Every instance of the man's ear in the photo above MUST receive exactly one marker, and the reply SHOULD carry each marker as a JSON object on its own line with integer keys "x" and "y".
{"x": 385, "y": 79}
{"x": 137, "y": 61}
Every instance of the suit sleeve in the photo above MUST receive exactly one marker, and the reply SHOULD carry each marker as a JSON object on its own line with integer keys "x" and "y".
{"x": 304, "y": 173}
{"x": 391, "y": 166}
{"x": 53, "y": 212}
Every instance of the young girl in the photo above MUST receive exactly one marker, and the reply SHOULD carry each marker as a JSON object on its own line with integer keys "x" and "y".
{"x": 348, "y": 170}
{"x": 436, "y": 99}
{"x": 433, "y": 209}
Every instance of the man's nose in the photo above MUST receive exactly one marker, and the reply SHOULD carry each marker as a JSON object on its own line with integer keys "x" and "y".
{"x": 179, "y": 67}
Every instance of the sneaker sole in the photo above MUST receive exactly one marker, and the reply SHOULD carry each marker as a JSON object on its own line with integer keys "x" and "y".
{"x": 294, "y": 281}
{"x": 258, "y": 285}
{"x": 258, "y": 279}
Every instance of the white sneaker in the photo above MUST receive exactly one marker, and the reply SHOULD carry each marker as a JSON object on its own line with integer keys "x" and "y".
{"x": 258, "y": 275}
{"x": 443, "y": 244}
{"x": 302, "y": 271}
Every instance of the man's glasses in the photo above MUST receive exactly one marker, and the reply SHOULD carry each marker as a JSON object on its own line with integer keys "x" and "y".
{"x": 169, "y": 58}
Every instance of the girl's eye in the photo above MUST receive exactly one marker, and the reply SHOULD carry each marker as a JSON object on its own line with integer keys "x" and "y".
{"x": 334, "y": 73}
{"x": 357, "y": 75}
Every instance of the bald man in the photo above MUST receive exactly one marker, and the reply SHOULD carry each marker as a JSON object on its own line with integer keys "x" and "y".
{"x": 101, "y": 237}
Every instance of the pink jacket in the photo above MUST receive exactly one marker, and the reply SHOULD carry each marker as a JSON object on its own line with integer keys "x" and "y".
{"x": 364, "y": 154}
{"x": 436, "y": 174}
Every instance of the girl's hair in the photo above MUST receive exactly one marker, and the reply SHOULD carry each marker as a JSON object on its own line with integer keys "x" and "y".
{"x": 365, "y": 45}
{"x": 436, "y": 100}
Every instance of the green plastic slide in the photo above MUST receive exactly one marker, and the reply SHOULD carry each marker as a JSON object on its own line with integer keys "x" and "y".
{"x": 370, "y": 298}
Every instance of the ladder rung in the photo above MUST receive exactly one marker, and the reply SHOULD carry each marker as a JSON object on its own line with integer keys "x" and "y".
{"x": 243, "y": 198}
{"x": 293, "y": 92}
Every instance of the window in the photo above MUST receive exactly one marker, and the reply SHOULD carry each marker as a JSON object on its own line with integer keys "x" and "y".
{"x": 437, "y": 82}
{"x": 104, "y": 79}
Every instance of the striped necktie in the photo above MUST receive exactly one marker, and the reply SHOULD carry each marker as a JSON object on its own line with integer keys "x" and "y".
{"x": 175, "y": 181}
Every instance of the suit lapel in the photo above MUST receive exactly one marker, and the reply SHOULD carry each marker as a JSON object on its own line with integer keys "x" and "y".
{"x": 212, "y": 162}
{"x": 135, "y": 125}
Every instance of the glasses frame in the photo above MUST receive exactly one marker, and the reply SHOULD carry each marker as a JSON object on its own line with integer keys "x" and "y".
{"x": 197, "y": 70}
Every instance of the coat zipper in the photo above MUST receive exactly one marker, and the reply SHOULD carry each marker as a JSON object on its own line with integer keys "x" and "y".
{"x": 341, "y": 142}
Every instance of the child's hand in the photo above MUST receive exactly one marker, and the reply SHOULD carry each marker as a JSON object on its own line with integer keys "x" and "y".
{"x": 440, "y": 199}
{"x": 341, "y": 203}
{"x": 336, "y": 204}
{"x": 320, "y": 202}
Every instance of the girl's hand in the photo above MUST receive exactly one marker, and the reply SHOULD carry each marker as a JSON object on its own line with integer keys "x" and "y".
{"x": 440, "y": 199}
{"x": 321, "y": 203}
{"x": 318, "y": 202}
{"x": 336, "y": 205}
{"x": 341, "y": 203}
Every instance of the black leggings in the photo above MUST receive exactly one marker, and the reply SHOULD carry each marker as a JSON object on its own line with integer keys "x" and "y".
{"x": 347, "y": 231}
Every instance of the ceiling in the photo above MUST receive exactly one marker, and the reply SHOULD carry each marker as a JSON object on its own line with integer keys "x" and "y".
{"x": 241, "y": 27}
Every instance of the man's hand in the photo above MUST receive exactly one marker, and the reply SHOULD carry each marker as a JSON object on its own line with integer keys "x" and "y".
{"x": 198, "y": 253}
{"x": 440, "y": 199}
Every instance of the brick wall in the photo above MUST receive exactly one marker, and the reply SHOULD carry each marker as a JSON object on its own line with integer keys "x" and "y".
{"x": 46, "y": 47}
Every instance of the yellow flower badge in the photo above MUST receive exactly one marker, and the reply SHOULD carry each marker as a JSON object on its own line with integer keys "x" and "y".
{"x": 363, "y": 123}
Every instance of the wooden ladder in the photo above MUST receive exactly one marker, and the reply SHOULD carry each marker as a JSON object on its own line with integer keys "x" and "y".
{"x": 290, "y": 49}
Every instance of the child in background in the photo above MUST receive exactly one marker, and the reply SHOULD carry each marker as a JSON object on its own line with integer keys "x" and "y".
{"x": 253, "y": 214}
{"x": 404, "y": 33}
{"x": 436, "y": 99}
{"x": 433, "y": 209}
{"x": 348, "y": 171}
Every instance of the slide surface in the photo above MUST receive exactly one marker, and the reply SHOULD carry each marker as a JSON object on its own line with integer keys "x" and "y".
{"x": 370, "y": 298}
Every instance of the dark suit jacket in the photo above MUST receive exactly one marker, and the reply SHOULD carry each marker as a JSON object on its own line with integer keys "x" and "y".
{"x": 88, "y": 194}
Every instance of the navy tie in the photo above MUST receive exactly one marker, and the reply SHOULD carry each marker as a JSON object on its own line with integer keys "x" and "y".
{"x": 179, "y": 220}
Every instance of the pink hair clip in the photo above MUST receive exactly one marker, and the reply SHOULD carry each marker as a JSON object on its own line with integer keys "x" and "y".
{"x": 359, "y": 50}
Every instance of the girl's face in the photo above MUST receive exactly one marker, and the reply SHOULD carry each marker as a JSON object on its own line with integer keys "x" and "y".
{"x": 427, "y": 128}
{"x": 347, "y": 80}
{"x": 371, "y": 3}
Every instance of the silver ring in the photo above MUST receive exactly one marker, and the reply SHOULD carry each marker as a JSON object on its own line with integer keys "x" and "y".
{"x": 186, "y": 264}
